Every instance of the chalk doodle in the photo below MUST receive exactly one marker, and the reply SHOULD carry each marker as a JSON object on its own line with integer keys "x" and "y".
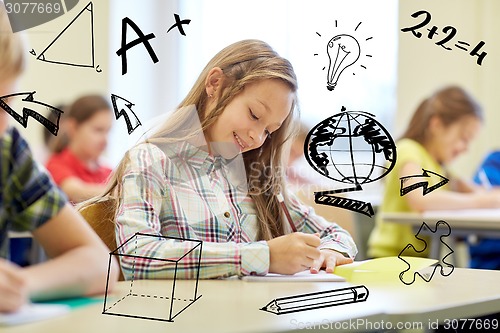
{"x": 449, "y": 32}
{"x": 32, "y": 108}
{"x": 445, "y": 271}
{"x": 178, "y": 23}
{"x": 122, "y": 107}
{"x": 317, "y": 300}
{"x": 161, "y": 305}
{"x": 343, "y": 51}
{"x": 143, "y": 39}
{"x": 337, "y": 138}
{"x": 59, "y": 52}
{"x": 428, "y": 177}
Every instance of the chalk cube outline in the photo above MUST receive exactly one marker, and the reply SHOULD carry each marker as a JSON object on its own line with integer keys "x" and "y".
{"x": 170, "y": 317}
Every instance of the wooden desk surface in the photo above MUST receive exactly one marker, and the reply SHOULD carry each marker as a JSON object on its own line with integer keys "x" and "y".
{"x": 234, "y": 306}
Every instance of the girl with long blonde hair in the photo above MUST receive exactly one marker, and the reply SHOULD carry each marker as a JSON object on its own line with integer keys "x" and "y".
{"x": 213, "y": 171}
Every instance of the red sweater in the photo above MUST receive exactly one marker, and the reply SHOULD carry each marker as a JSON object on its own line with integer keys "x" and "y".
{"x": 65, "y": 165}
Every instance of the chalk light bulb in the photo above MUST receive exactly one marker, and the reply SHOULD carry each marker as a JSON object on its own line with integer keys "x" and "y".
{"x": 343, "y": 51}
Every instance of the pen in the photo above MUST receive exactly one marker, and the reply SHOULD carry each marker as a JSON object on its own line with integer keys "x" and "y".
{"x": 483, "y": 178}
{"x": 322, "y": 299}
{"x": 281, "y": 200}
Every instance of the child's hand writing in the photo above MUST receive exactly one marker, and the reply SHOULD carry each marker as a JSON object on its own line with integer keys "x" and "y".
{"x": 328, "y": 260}
{"x": 13, "y": 288}
{"x": 293, "y": 253}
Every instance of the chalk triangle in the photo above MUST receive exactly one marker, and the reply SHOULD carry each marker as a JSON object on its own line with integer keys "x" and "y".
{"x": 74, "y": 46}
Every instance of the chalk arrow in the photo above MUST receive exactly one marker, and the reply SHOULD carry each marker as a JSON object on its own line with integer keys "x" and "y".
{"x": 428, "y": 177}
{"x": 30, "y": 107}
{"x": 122, "y": 107}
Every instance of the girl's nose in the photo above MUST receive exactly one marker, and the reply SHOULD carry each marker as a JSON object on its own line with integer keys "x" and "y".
{"x": 258, "y": 137}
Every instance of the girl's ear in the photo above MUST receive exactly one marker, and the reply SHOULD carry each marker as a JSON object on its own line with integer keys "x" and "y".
{"x": 435, "y": 124}
{"x": 70, "y": 126}
{"x": 436, "y": 127}
{"x": 214, "y": 81}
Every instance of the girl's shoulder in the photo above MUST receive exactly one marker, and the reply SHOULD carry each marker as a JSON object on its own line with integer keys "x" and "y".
{"x": 164, "y": 155}
{"x": 64, "y": 156}
{"x": 412, "y": 151}
{"x": 409, "y": 144}
{"x": 163, "y": 151}
{"x": 146, "y": 148}
{"x": 146, "y": 155}
{"x": 411, "y": 148}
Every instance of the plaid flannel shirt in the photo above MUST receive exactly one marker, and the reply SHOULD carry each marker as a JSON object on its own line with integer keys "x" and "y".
{"x": 181, "y": 191}
{"x": 28, "y": 197}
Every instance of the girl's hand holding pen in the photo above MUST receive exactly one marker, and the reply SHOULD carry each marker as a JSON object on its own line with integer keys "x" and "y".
{"x": 293, "y": 253}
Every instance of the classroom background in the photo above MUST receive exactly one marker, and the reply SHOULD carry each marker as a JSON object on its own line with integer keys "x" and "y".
{"x": 396, "y": 70}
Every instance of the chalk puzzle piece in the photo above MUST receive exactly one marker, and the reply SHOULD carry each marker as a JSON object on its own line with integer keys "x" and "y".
{"x": 445, "y": 271}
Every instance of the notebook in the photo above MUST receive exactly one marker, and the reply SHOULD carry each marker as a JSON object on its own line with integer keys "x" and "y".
{"x": 304, "y": 276}
{"x": 33, "y": 312}
{"x": 384, "y": 270}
